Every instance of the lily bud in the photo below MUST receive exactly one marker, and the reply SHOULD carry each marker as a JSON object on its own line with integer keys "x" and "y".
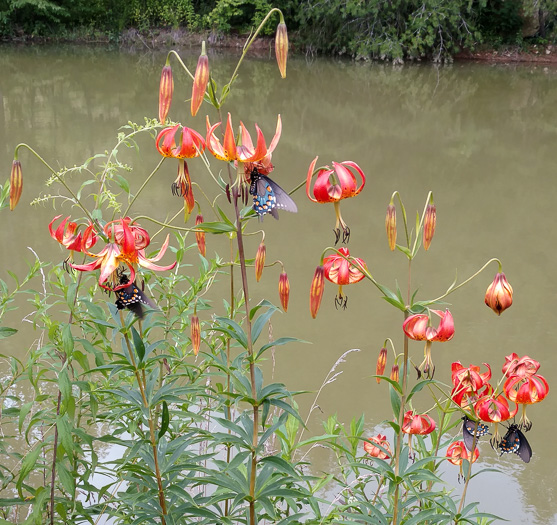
{"x": 390, "y": 225}
{"x": 200, "y": 236}
{"x": 16, "y": 183}
{"x": 499, "y": 294}
{"x": 195, "y": 333}
{"x": 281, "y": 48}
{"x": 200, "y": 81}
{"x": 394, "y": 373}
{"x": 429, "y": 225}
{"x": 381, "y": 363}
{"x": 316, "y": 290}
{"x": 165, "y": 92}
{"x": 260, "y": 261}
{"x": 284, "y": 290}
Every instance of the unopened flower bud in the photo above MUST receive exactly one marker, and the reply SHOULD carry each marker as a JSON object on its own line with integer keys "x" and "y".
{"x": 260, "y": 261}
{"x": 200, "y": 236}
{"x": 316, "y": 290}
{"x": 284, "y": 290}
{"x": 394, "y": 373}
{"x": 165, "y": 92}
{"x": 195, "y": 333}
{"x": 390, "y": 225}
{"x": 200, "y": 81}
{"x": 281, "y": 48}
{"x": 16, "y": 183}
{"x": 381, "y": 363}
{"x": 499, "y": 295}
{"x": 429, "y": 225}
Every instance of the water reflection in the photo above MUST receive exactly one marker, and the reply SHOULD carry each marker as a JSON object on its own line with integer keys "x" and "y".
{"x": 481, "y": 137}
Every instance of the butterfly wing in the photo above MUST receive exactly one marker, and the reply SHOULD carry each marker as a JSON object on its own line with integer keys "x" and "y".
{"x": 515, "y": 441}
{"x": 132, "y": 298}
{"x": 469, "y": 429}
{"x": 524, "y": 450}
{"x": 269, "y": 197}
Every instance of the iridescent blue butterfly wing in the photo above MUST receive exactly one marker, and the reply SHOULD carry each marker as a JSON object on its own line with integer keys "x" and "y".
{"x": 269, "y": 197}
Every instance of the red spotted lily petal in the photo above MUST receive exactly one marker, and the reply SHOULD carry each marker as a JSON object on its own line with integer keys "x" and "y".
{"x": 522, "y": 367}
{"x": 493, "y": 409}
{"x": 417, "y": 424}
{"x": 340, "y": 271}
{"x": 193, "y": 144}
{"x": 526, "y": 390}
{"x": 166, "y": 142}
{"x": 376, "y": 452}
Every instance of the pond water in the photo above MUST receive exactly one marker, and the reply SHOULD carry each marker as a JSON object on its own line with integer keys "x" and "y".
{"x": 481, "y": 137}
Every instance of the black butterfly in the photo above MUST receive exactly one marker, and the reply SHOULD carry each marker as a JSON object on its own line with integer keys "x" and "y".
{"x": 515, "y": 441}
{"x": 268, "y": 196}
{"x": 132, "y": 298}
{"x": 469, "y": 429}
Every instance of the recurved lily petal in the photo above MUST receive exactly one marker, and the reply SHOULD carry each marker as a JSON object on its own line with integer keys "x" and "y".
{"x": 417, "y": 424}
{"x": 340, "y": 271}
{"x": 494, "y": 409}
{"x": 526, "y": 390}
{"x": 522, "y": 367}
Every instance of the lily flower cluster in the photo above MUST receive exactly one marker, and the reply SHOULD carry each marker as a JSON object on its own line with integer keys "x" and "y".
{"x": 522, "y": 386}
{"x": 125, "y": 247}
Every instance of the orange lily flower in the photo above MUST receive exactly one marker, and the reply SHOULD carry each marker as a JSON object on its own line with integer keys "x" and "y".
{"x": 122, "y": 249}
{"x": 342, "y": 272}
{"x": 384, "y": 452}
{"x": 333, "y": 185}
{"x": 190, "y": 146}
{"x": 245, "y": 151}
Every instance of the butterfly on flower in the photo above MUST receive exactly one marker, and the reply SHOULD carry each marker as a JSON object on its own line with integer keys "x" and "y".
{"x": 268, "y": 196}
{"x": 515, "y": 441}
{"x": 132, "y": 298}
{"x": 471, "y": 428}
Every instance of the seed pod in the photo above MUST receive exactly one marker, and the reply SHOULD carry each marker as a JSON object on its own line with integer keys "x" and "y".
{"x": 165, "y": 92}
{"x": 390, "y": 225}
{"x": 284, "y": 290}
{"x": 381, "y": 363}
{"x": 195, "y": 333}
{"x": 200, "y": 236}
{"x": 429, "y": 225}
{"x": 16, "y": 184}
{"x": 316, "y": 290}
{"x": 260, "y": 261}
{"x": 200, "y": 81}
{"x": 281, "y": 47}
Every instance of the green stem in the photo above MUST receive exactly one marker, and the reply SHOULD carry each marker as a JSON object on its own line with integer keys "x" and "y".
{"x": 60, "y": 179}
{"x": 145, "y": 182}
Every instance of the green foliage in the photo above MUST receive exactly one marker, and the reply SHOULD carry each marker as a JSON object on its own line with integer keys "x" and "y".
{"x": 239, "y": 15}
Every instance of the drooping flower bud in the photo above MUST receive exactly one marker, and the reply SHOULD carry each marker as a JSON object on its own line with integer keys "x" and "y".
{"x": 200, "y": 81}
{"x": 16, "y": 183}
{"x": 499, "y": 294}
{"x": 260, "y": 261}
{"x": 381, "y": 363}
{"x": 200, "y": 236}
{"x": 394, "y": 373}
{"x": 390, "y": 225}
{"x": 429, "y": 225}
{"x": 166, "y": 89}
{"x": 281, "y": 47}
{"x": 316, "y": 290}
{"x": 284, "y": 290}
{"x": 195, "y": 333}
